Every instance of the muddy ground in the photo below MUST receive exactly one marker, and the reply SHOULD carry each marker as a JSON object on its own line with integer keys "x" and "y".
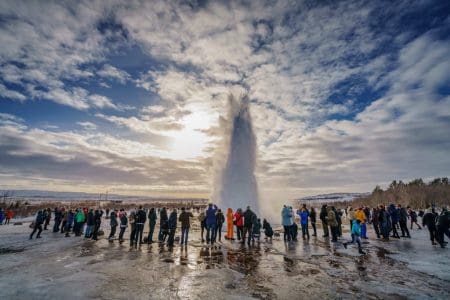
{"x": 56, "y": 267}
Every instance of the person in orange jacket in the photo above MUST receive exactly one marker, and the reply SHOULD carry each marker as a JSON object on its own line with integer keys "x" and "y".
{"x": 229, "y": 224}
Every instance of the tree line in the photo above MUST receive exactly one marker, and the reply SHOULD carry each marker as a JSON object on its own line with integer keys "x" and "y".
{"x": 416, "y": 193}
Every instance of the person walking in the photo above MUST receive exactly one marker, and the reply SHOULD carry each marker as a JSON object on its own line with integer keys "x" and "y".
{"x": 38, "y": 225}
{"x": 413, "y": 216}
{"x": 230, "y": 224}
{"x": 220, "y": 219}
{"x": 9, "y": 214}
{"x": 356, "y": 232}
{"x": 361, "y": 216}
{"x": 47, "y": 216}
{"x": 2, "y": 216}
{"x": 185, "y": 220}
{"x": 152, "y": 217}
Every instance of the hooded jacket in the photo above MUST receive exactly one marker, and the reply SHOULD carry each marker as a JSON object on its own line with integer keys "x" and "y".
{"x": 286, "y": 216}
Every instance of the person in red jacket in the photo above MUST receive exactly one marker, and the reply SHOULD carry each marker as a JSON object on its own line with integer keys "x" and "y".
{"x": 8, "y": 216}
{"x": 239, "y": 222}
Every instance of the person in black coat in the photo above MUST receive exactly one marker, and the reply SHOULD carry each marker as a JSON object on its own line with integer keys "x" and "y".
{"x": 90, "y": 223}
{"x": 220, "y": 219}
{"x": 141, "y": 217}
{"x": 58, "y": 219}
{"x": 113, "y": 223}
{"x": 172, "y": 224}
{"x": 97, "y": 223}
{"x": 38, "y": 225}
{"x": 152, "y": 223}
{"x": 312, "y": 218}
{"x": 268, "y": 231}
{"x": 163, "y": 225}
{"x": 429, "y": 220}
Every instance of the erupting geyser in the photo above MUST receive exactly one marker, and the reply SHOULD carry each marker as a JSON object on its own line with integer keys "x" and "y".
{"x": 236, "y": 183}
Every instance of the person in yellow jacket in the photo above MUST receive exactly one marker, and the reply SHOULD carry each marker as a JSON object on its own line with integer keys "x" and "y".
{"x": 229, "y": 224}
{"x": 361, "y": 216}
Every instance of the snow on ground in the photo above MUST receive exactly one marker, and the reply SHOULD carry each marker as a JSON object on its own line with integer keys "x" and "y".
{"x": 76, "y": 268}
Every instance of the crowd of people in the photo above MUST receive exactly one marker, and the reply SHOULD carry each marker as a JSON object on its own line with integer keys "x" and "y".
{"x": 87, "y": 222}
{"x": 387, "y": 222}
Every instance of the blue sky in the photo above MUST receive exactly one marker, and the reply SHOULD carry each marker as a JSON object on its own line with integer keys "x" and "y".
{"x": 131, "y": 96}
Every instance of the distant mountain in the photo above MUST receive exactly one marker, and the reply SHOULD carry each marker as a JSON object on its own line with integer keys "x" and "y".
{"x": 335, "y": 197}
{"x": 75, "y": 196}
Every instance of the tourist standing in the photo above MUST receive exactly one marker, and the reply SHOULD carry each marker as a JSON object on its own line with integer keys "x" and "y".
{"x": 413, "y": 217}
{"x": 172, "y": 227}
{"x": 202, "y": 220}
{"x": 141, "y": 217}
{"x": 152, "y": 224}
{"x": 249, "y": 221}
{"x": 303, "y": 214}
{"x": 403, "y": 220}
{"x": 163, "y": 225}
{"x": 239, "y": 222}
{"x": 323, "y": 218}
{"x": 90, "y": 224}
{"x": 229, "y": 224}
{"x": 312, "y": 218}
{"x": 113, "y": 223}
{"x": 123, "y": 225}
{"x": 331, "y": 220}
{"x": 211, "y": 222}
{"x": 286, "y": 221}
{"x": 268, "y": 231}
{"x": 185, "y": 219}
{"x": 220, "y": 219}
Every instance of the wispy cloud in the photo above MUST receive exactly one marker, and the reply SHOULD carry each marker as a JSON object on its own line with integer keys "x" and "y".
{"x": 343, "y": 95}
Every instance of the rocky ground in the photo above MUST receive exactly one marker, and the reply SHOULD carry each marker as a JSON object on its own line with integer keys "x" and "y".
{"x": 57, "y": 267}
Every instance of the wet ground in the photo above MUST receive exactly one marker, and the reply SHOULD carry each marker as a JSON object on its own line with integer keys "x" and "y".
{"x": 74, "y": 268}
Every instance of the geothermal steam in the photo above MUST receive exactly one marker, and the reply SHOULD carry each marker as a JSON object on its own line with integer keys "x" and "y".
{"x": 236, "y": 183}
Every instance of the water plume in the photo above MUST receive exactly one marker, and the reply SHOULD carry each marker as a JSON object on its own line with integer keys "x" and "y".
{"x": 235, "y": 183}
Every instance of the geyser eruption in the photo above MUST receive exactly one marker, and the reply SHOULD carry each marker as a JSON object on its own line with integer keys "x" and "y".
{"x": 236, "y": 182}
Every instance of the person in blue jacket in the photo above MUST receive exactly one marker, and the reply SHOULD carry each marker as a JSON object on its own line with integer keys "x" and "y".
{"x": 303, "y": 213}
{"x": 356, "y": 232}
{"x": 211, "y": 222}
{"x": 70, "y": 219}
{"x": 2, "y": 216}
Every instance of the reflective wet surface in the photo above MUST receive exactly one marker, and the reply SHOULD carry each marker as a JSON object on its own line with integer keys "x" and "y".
{"x": 75, "y": 268}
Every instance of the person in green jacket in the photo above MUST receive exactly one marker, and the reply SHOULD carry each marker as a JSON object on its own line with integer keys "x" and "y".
{"x": 79, "y": 221}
